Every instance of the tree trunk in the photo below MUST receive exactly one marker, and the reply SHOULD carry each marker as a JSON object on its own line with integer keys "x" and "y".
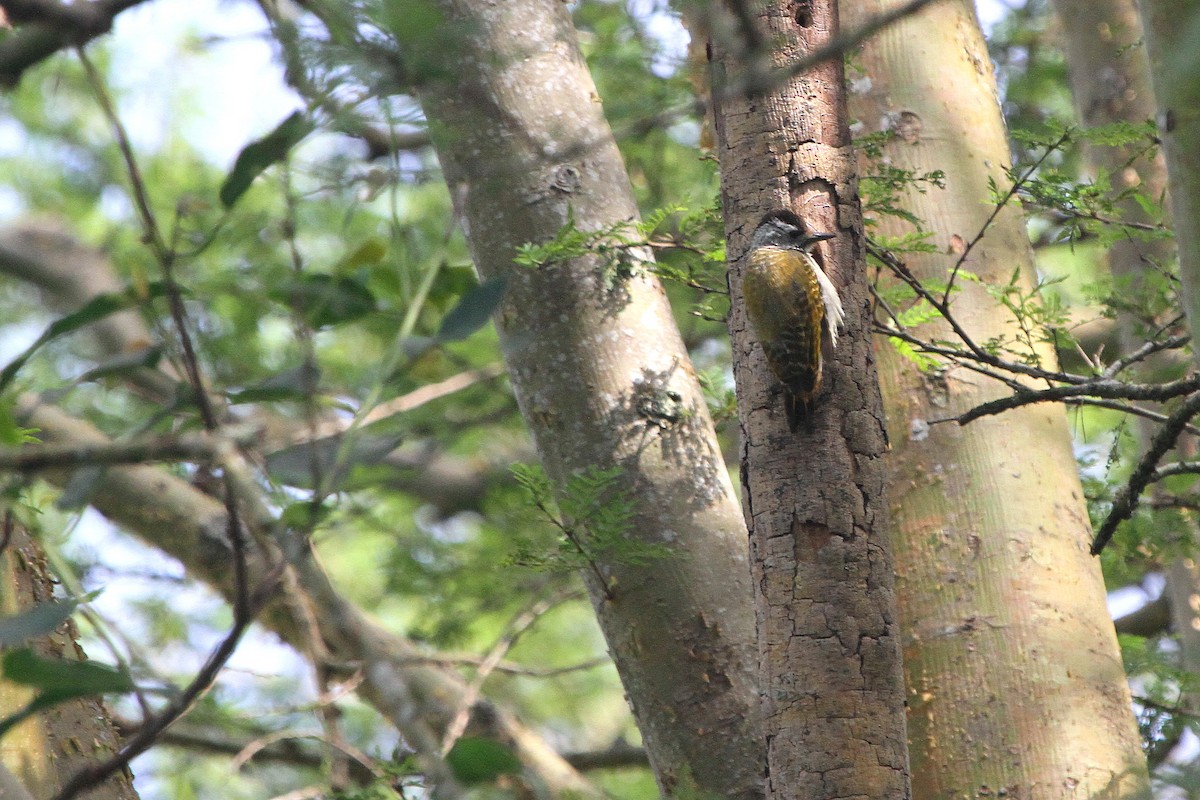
{"x": 1170, "y": 38}
{"x": 1110, "y": 81}
{"x": 828, "y": 640}
{"x": 45, "y": 751}
{"x": 1015, "y": 682}
{"x": 601, "y": 374}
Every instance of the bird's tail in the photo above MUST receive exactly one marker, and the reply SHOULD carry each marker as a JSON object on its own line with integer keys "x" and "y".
{"x": 798, "y": 412}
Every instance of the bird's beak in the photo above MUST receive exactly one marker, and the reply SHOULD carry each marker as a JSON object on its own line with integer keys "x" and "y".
{"x": 820, "y": 237}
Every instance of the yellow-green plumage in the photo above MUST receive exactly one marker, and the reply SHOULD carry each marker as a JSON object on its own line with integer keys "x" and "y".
{"x": 789, "y": 302}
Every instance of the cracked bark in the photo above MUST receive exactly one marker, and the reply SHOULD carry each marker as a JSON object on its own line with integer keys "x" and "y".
{"x": 828, "y": 641}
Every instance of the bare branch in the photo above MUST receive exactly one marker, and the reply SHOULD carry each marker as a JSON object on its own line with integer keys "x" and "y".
{"x": 1126, "y": 500}
{"x": 1100, "y": 388}
{"x": 47, "y": 26}
{"x": 199, "y": 446}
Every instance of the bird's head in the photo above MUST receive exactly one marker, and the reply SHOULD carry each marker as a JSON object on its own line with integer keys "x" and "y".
{"x": 782, "y": 228}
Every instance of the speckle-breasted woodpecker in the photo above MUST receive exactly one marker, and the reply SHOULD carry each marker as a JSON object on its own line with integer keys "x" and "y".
{"x": 789, "y": 301}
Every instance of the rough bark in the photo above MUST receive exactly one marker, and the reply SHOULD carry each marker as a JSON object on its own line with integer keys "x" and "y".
{"x": 828, "y": 641}
{"x": 1169, "y": 27}
{"x": 600, "y": 372}
{"x": 48, "y": 749}
{"x": 1015, "y": 682}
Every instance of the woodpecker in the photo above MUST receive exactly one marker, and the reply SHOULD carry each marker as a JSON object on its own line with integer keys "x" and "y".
{"x": 788, "y": 301}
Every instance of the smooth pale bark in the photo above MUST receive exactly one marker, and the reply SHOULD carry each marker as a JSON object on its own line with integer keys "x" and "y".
{"x": 1171, "y": 38}
{"x": 45, "y": 751}
{"x": 828, "y": 638}
{"x": 1015, "y": 681}
{"x": 600, "y": 372}
{"x": 1110, "y": 82}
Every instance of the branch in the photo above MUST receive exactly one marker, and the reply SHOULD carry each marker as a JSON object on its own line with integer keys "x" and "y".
{"x": 1145, "y": 351}
{"x": 1126, "y": 500}
{"x": 47, "y": 27}
{"x": 1100, "y": 388}
{"x": 199, "y": 446}
{"x": 292, "y": 752}
{"x": 1176, "y": 468}
{"x": 179, "y": 519}
{"x": 758, "y": 80}
{"x": 244, "y": 612}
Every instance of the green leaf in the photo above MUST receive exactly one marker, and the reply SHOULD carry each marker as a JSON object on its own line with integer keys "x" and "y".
{"x": 42, "y": 618}
{"x": 474, "y": 760}
{"x": 291, "y": 384}
{"x": 369, "y": 253}
{"x": 473, "y": 310}
{"x": 11, "y": 433}
{"x": 326, "y": 300}
{"x": 262, "y": 153}
{"x": 924, "y": 362}
{"x": 58, "y": 681}
{"x": 1150, "y": 208}
{"x": 123, "y": 364}
{"x": 918, "y": 315}
{"x": 328, "y": 459}
{"x": 94, "y": 310}
{"x": 74, "y": 678}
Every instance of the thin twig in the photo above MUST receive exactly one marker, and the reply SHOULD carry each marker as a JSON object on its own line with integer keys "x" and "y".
{"x": 1132, "y": 410}
{"x": 141, "y": 198}
{"x": 984, "y": 362}
{"x": 901, "y": 270}
{"x": 508, "y": 667}
{"x": 253, "y": 748}
{"x": 1126, "y": 500}
{"x": 518, "y": 626}
{"x": 90, "y": 776}
{"x": 1145, "y": 351}
{"x": 1000, "y": 206}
